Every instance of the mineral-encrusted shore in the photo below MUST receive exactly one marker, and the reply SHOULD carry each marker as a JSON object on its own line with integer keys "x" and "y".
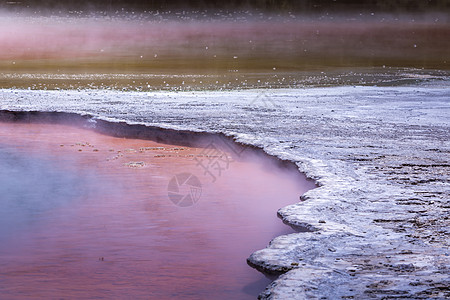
{"x": 378, "y": 224}
{"x": 378, "y": 227}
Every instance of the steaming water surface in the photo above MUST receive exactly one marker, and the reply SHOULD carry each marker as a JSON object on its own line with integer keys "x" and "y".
{"x": 191, "y": 51}
{"x": 30, "y": 188}
{"x": 84, "y": 224}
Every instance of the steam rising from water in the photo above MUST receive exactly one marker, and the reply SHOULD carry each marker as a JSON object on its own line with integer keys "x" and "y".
{"x": 30, "y": 187}
{"x": 220, "y": 44}
{"x": 65, "y": 209}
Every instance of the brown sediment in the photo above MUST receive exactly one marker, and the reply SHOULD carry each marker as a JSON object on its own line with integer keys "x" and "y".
{"x": 124, "y": 237}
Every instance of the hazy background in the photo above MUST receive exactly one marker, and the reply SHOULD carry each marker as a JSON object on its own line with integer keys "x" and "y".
{"x": 183, "y": 45}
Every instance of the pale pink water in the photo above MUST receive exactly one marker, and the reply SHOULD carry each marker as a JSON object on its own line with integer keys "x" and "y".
{"x": 151, "y": 248}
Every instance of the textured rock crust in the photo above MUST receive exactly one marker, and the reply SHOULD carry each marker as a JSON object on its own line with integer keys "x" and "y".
{"x": 378, "y": 225}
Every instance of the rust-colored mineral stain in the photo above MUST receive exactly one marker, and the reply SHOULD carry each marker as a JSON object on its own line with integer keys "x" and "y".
{"x": 118, "y": 235}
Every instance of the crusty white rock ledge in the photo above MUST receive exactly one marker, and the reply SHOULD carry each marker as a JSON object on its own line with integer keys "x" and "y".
{"x": 377, "y": 227}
